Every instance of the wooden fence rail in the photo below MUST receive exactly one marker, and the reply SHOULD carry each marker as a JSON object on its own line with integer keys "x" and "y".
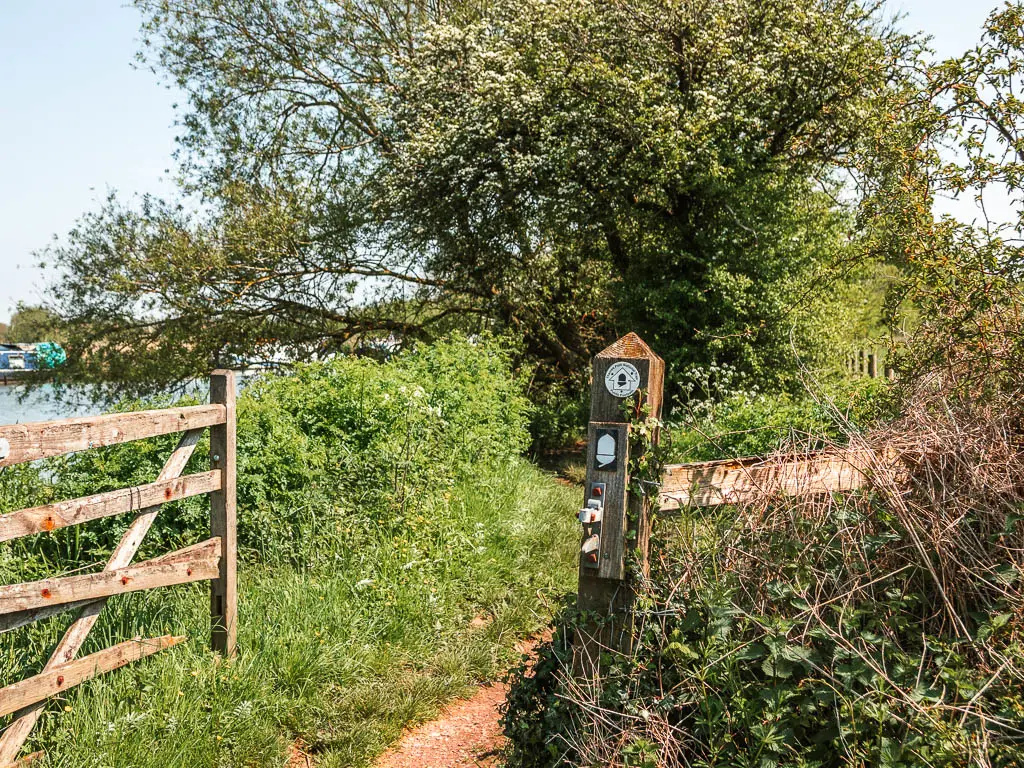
{"x": 734, "y": 481}
{"x": 212, "y": 560}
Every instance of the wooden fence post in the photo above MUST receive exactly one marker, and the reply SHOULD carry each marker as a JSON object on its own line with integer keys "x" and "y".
{"x": 223, "y": 517}
{"x": 620, "y": 518}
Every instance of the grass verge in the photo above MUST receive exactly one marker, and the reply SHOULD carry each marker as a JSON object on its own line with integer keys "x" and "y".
{"x": 341, "y": 656}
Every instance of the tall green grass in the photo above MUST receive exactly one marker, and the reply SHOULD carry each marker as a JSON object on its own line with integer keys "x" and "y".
{"x": 395, "y": 549}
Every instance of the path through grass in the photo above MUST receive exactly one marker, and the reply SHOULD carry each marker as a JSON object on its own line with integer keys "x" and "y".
{"x": 342, "y": 656}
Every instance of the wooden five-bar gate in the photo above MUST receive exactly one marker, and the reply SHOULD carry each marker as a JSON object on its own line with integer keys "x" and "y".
{"x": 212, "y": 560}
{"x": 617, "y": 509}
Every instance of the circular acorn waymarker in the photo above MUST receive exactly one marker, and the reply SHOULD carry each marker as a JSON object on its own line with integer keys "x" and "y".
{"x": 622, "y": 379}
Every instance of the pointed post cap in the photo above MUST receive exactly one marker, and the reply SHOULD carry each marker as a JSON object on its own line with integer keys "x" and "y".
{"x": 629, "y": 346}
{"x": 620, "y": 370}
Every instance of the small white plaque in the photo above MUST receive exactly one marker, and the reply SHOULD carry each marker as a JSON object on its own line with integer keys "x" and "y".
{"x": 622, "y": 379}
{"x": 605, "y": 453}
{"x": 5, "y": 448}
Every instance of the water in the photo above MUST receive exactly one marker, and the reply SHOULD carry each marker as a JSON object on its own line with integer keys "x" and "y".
{"x": 39, "y": 405}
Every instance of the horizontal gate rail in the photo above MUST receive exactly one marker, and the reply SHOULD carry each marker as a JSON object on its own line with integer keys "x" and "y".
{"x": 734, "y": 481}
{"x": 212, "y": 560}
{"x": 50, "y": 517}
{"x": 44, "y": 439}
{"x": 37, "y": 688}
{"x": 11, "y": 621}
{"x": 200, "y": 562}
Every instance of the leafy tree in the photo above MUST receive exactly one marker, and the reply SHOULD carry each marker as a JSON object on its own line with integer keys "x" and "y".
{"x": 556, "y": 172}
{"x": 31, "y": 324}
{"x": 955, "y": 132}
{"x": 681, "y": 157}
{"x": 279, "y": 250}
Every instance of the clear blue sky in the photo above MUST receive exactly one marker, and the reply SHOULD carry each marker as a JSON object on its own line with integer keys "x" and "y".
{"x": 76, "y": 120}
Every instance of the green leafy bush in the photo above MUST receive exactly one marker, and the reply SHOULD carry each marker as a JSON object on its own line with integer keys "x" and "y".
{"x": 730, "y": 424}
{"x": 350, "y": 436}
{"x": 559, "y": 419}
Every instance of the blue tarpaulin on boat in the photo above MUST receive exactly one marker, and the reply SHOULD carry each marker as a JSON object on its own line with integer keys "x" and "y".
{"x": 50, "y": 355}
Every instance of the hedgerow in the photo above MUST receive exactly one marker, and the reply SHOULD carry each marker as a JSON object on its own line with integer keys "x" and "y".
{"x": 342, "y": 438}
{"x": 883, "y": 627}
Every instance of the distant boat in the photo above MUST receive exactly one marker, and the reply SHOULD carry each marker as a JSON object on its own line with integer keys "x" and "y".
{"x": 17, "y": 361}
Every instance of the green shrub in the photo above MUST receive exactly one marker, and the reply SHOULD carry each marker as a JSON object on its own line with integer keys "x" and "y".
{"x": 755, "y": 424}
{"x": 559, "y": 419}
{"x": 349, "y": 436}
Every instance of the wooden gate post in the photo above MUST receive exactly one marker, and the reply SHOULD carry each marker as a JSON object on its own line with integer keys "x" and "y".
{"x": 615, "y": 521}
{"x": 223, "y": 517}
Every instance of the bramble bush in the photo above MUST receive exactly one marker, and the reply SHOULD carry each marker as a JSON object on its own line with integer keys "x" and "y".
{"x": 713, "y": 683}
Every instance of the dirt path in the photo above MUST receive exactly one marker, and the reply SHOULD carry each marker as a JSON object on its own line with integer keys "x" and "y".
{"x": 467, "y": 734}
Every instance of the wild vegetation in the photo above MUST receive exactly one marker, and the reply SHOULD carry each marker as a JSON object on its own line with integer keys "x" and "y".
{"x": 753, "y": 185}
{"x": 394, "y": 548}
{"x": 880, "y": 627}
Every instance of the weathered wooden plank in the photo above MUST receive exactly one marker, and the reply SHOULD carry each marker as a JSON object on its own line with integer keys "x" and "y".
{"x": 38, "y": 688}
{"x": 62, "y": 514}
{"x": 11, "y": 621}
{"x": 733, "y": 481}
{"x": 39, "y": 440}
{"x": 196, "y": 563}
{"x": 13, "y": 738}
{"x": 223, "y": 517}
